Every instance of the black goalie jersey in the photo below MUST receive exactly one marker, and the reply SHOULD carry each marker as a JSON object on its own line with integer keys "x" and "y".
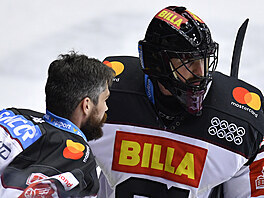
{"x": 140, "y": 157}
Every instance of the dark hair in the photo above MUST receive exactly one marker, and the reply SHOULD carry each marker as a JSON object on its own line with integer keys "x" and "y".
{"x": 73, "y": 77}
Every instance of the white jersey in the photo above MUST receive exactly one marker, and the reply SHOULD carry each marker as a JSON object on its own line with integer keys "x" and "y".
{"x": 196, "y": 157}
{"x": 168, "y": 161}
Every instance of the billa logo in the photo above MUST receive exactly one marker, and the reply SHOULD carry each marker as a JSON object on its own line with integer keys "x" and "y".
{"x": 158, "y": 156}
{"x": 243, "y": 96}
{"x": 118, "y": 67}
{"x": 171, "y": 17}
{"x": 74, "y": 150}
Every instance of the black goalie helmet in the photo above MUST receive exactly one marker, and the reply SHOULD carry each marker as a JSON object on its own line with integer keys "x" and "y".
{"x": 176, "y": 39}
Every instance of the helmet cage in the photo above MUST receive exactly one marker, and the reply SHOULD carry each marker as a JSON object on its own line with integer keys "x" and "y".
{"x": 161, "y": 69}
{"x": 209, "y": 59}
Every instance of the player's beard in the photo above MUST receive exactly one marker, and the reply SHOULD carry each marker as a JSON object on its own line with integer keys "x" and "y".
{"x": 93, "y": 126}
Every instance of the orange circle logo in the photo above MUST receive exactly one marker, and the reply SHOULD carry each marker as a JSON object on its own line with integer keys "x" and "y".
{"x": 74, "y": 150}
{"x": 243, "y": 96}
{"x": 118, "y": 67}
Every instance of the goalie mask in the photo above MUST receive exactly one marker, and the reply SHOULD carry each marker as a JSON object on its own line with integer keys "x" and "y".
{"x": 175, "y": 40}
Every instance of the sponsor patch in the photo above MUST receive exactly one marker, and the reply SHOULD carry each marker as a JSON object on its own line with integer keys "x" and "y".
{"x": 20, "y": 128}
{"x": 171, "y": 17}
{"x": 73, "y": 150}
{"x": 246, "y": 100}
{"x": 87, "y": 154}
{"x": 228, "y": 131}
{"x": 117, "y": 66}
{"x": 158, "y": 156}
{"x": 67, "y": 180}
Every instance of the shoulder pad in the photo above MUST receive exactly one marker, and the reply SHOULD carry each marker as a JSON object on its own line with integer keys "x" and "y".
{"x": 20, "y": 127}
{"x": 129, "y": 76}
{"x": 236, "y": 98}
{"x": 33, "y": 116}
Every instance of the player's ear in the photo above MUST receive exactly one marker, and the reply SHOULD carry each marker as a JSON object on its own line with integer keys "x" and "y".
{"x": 87, "y": 105}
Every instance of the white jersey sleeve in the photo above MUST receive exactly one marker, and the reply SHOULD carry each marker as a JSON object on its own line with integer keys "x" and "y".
{"x": 248, "y": 182}
{"x": 105, "y": 190}
{"x": 9, "y": 149}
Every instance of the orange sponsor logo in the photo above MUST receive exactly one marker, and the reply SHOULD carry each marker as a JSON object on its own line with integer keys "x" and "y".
{"x": 158, "y": 156}
{"x": 243, "y": 96}
{"x": 74, "y": 150}
{"x": 171, "y": 17}
{"x": 117, "y": 66}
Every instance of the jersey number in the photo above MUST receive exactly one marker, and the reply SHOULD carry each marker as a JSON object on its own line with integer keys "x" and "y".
{"x": 147, "y": 188}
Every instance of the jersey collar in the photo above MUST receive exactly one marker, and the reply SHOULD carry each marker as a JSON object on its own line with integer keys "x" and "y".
{"x": 62, "y": 123}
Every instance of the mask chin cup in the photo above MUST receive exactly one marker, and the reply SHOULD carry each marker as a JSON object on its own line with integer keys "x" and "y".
{"x": 190, "y": 98}
{"x": 194, "y": 101}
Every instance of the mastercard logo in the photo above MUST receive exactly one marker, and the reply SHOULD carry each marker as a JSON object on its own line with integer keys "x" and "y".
{"x": 243, "y": 96}
{"x": 74, "y": 150}
{"x": 118, "y": 67}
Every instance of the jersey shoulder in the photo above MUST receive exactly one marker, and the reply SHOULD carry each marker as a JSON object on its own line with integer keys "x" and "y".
{"x": 22, "y": 126}
{"x": 128, "y": 102}
{"x": 236, "y": 98}
{"x": 34, "y": 116}
{"x": 129, "y": 76}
